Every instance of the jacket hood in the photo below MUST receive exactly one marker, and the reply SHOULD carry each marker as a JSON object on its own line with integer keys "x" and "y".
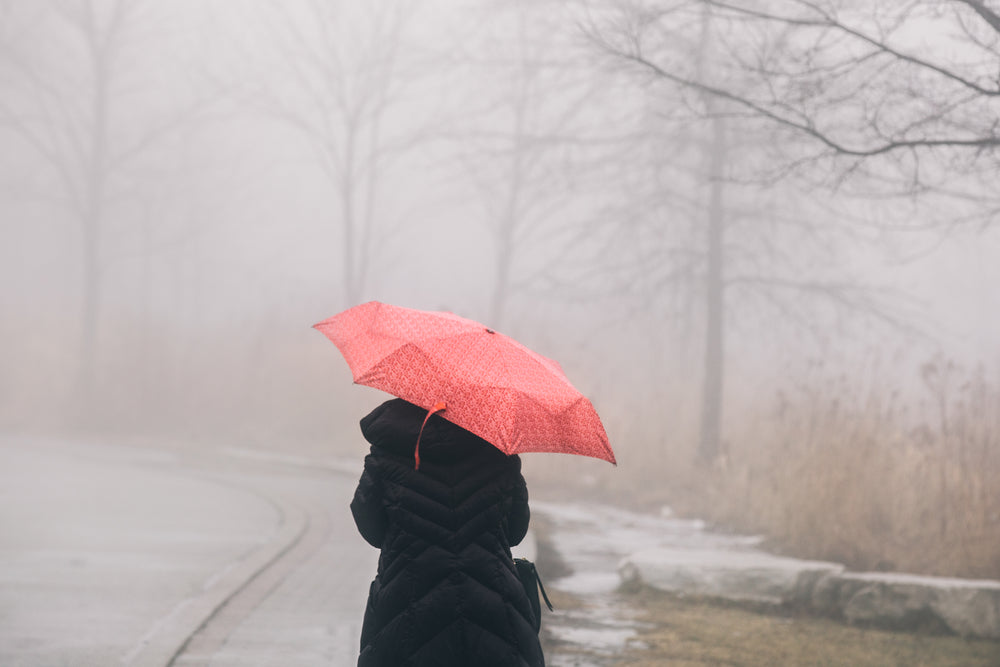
{"x": 395, "y": 425}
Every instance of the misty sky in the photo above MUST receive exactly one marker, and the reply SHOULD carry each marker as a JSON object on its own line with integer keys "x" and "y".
{"x": 237, "y": 138}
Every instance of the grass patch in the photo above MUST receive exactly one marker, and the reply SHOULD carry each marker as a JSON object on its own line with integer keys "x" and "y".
{"x": 684, "y": 632}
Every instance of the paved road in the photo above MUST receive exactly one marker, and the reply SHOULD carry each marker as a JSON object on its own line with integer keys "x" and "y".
{"x": 117, "y": 556}
{"x": 140, "y": 556}
{"x": 305, "y": 609}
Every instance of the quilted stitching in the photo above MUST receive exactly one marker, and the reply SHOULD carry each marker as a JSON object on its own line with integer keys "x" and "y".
{"x": 446, "y": 586}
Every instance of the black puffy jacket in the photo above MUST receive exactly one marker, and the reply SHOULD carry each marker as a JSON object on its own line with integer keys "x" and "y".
{"x": 446, "y": 593}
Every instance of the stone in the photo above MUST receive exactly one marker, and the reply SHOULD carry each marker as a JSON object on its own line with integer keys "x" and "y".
{"x": 967, "y": 607}
{"x": 739, "y": 575}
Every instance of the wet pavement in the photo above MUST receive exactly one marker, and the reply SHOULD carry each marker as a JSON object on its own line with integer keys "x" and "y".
{"x": 119, "y": 555}
{"x": 306, "y": 608}
{"x": 128, "y": 555}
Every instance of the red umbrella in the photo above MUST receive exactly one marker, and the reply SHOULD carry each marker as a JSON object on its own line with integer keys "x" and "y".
{"x": 484, "y": 381}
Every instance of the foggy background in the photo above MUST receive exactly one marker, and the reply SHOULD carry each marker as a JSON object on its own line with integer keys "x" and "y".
{"x": 187, "y": 186}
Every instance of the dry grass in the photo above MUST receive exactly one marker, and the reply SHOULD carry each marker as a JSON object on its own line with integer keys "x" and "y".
{"x": 841, "y": 469}
{"x": 861, "y": 479}
{"x": 692, "y": 632}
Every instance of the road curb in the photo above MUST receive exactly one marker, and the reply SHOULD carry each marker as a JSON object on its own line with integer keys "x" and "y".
{"x": 891, "y": 601}
{"x": 167, "y": 639}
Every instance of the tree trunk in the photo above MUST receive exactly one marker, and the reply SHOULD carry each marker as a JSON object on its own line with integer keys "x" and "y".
{"x": 510, "y": 217}
{"x": 92, "y": 213}
{"x": 712, "y": 382}
{"x": 498, "y": 306}
{"x": 89, "y": 307}
{"x": 348, "y": 221}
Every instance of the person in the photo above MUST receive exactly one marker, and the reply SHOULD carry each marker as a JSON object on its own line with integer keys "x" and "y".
{"x": 446, "y": 592}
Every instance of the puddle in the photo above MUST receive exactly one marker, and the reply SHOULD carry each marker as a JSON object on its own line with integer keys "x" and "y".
{"x": 592, "y": 540}
{"x": 594, "y": 636}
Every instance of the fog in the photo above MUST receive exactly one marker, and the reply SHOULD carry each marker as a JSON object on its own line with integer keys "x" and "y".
{"x": 187, "y": 186}
{"x": 763, "y": 238}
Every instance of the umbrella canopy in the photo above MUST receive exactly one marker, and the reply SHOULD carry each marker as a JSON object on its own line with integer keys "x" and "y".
{"x": 489, "y": 383}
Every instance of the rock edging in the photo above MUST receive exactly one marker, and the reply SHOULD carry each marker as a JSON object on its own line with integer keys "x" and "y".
{"x": 969, "y": 608}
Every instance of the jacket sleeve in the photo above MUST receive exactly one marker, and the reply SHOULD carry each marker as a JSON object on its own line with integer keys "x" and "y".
{"x": 517, "y": 522}
{"x": 367, "y": 508}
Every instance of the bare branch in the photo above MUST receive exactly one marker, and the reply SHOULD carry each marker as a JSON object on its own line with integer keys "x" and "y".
{"x": 806, "y": 127}
{"x": 987, "y": 14}
{"x": 871, "y": 302}
{"x": 827, "y": 20}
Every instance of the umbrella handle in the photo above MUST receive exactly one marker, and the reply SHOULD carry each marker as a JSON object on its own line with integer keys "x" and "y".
{"x": 438, "y": 407}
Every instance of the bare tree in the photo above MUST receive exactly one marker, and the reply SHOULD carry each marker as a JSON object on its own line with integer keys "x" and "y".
{"x": 523, "y": 144}
{"x": 715, "y": 239}
{"x": 744, "y": 257}
{"x": 337, "y": 79}
{"x": 70, "y": 80}
{"x": 890, "y": 97}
